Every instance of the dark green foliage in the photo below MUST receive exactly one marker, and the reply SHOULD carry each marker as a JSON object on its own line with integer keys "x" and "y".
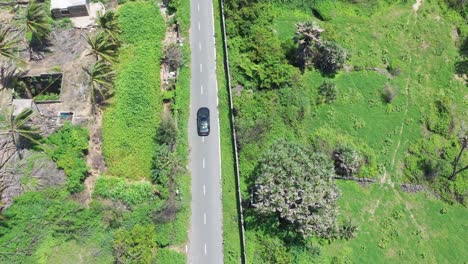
{"x": 460, "y": 6}
{"x": 136, "y": 245}
{"x": 165, "y": 166}
{"x": 430, "y": 162}
{"x": 68, "y": 148}
{"x": 102, "y": 47}
{"x": 330, "y": 58}
{"x": 8, "y": 43}
{"x": 295, "y": 184}
{"x": 109, "y": 23}
{"x": 273, "y": 250}
{"x": 327, "y": 93}
{"x": 256, "y": 50}
{"x": 348, "y": 161}
{"x": 37, "y": 23}
{"x": 167, "y": 131}
{"x": 389, "y": 93}
{"x": 439, "y": 118}
{"x": 348, "y": 230}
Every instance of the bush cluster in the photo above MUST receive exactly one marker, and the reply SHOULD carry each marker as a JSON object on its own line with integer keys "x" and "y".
{"x": 68, "y": 147}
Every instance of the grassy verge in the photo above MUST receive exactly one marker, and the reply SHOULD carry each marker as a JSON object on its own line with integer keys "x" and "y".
{"x": 397, "y": 226}
{"x": 130, "y": 121}
{"x": 231, "y": 233}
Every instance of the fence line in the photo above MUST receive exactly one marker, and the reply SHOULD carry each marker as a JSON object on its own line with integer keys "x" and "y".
{"x": 233, "y": 130}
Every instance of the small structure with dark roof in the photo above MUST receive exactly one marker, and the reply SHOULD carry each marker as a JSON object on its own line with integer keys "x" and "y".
{"x": 69, "y": 8}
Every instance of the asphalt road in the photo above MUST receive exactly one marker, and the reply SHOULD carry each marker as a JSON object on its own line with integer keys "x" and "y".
{"x": 206, "y": 238}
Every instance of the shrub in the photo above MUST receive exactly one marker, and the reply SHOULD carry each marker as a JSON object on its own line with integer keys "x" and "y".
{"x": 68, "y": 148}
{"x": 439, "y": 118}
{"x": 136, "y": 245}
{"x": 167, "y": 131}
{"x": 330, "y": 58}
{"x": 165, "y": 164}
{"x": 348, "y": 162}
{"x": 389, "y": 93}
{"x": 348, "y": 230}
{"x": 173, "y": 56}
{"x": 430, "y": 162}
{"x": 132, "y": 193}
{"x": 327, "y": 93}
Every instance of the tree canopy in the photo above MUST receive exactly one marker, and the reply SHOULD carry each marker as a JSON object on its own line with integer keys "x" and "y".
{"x": 296, "y": 184}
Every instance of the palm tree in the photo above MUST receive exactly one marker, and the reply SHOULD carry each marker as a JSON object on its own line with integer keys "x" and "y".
{"x": 102, "y": 47}
{"x": 19, "y": 130}
{"x": 308, "y": 37}
{"x": 101, "y": 79}
{"x": 36, "y": 24}
{"x": 108, "y": 22}
{"x": 8, "y": 47}
{"x": 8, "y": 43}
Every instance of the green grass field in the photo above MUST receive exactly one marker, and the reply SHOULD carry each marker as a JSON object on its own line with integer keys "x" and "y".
{"x": 393, "y": 225}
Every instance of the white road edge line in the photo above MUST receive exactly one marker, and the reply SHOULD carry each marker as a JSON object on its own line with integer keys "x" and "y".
{"x": 186, "y": 248}
{"x": 204, "y": 218}
{"x": 205, "y": 249}
{"x": 203, "y": 162}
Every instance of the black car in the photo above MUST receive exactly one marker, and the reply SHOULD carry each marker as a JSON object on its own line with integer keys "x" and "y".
{"x": 203, "y": 121}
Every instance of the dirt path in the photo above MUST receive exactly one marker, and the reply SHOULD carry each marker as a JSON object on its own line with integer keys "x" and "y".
{"x": 417, "y": 5}
{"x": 95, "y": 159}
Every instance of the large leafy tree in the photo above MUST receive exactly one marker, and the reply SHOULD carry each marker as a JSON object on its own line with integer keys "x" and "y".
{"x": 102, "y": 47}
{"x": 295, "y": 183}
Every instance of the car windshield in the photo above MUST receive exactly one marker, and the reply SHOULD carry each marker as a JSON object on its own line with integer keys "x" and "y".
{"x": 204, "y": 125}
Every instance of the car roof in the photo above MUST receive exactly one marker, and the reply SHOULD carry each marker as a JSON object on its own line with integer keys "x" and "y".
{"x": 203, "y": 111}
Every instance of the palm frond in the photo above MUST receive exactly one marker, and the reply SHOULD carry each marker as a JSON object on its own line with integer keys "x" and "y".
{"x": 102, "y": 46}
{"x": 8, "y": 43}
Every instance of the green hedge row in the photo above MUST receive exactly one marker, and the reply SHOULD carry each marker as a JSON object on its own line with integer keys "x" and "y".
{"x": 130, "y": 122}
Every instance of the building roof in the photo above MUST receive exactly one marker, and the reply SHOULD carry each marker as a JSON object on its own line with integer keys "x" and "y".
{"x": 58, "y": 4}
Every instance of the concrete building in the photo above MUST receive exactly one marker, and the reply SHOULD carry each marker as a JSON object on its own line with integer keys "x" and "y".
{"x": 69, "y": 8}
